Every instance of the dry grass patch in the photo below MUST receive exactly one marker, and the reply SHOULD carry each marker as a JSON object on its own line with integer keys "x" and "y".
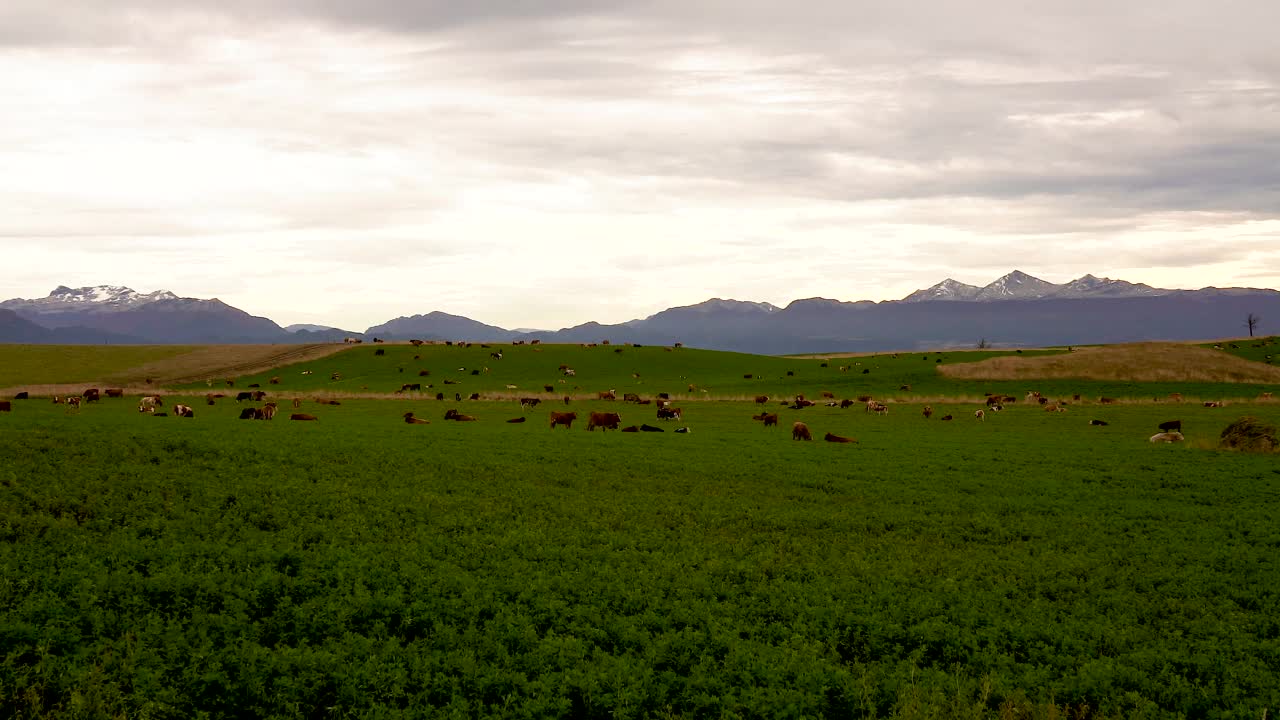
{"x": 217, "y": 362}
{"x": 1140, "y": 362}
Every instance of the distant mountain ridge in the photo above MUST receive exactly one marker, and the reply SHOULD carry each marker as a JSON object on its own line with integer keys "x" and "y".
{"x": 1014, "y": 310}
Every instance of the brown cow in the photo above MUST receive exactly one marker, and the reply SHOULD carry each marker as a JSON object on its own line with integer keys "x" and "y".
{"x": 828, "y": 395}
{"x": 800, "y": 431}
{"x": 606, "y": 395}
{"x": 297, "y": 403}
{"x": 6, "y": 406}
{"x": 563, "y": 418}
{"x": 455, "y": 415}
{"x": 770, "y": 419}
{"x": 91, "y": 395}
{"x": 832, "y": 437}
{"x": 604, "y": 421}
{"x": 115, "y": 392}
{"x": 274, "y": 380}
{"x": 183, "y": 411}
{"x": 517, "y": 420}
{"x": 762, "y": 399}
{"x": 410, "y": 419}
{"x": 846, "y": 404}
{"x": 670, "y": 413}
{"x": 302, "y": 416}
{"x": 268, "y": 411}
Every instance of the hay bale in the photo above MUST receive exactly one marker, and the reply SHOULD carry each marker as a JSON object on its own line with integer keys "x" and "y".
{"x": 1249, "y": 435}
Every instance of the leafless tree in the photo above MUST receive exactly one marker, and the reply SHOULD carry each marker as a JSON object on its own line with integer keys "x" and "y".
{"x": 1252, "y": 321}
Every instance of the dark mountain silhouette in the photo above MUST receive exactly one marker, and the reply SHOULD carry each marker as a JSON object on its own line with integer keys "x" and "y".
{"x": 1020, "y": 311}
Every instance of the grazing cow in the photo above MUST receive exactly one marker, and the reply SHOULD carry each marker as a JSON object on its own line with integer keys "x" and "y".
{"x": 762, "y": 399}
{"x": 529, "y": 402}
{"x": 379, "y": 352}
{"x": 21, "y": 396}
{"x": 73, "y": 401}
{"x": 1107, "y": 400}
{"x": 410, "y": 387}
{"x": 302, "y": 416}
{"x": 6, "y": 406}
{"x": 880, "y": 409}
{"x": 183, "y": 411}
{"x": 115, "y": 392}
{"x": 828, "y": 395}
{"x": 1175, "y": 397}
{"x": 474, "y": 396}
{"x": 993, "y": 400}
{"x": 670, "y": 413}
{"x": 91, "y": 395}
{"x": 148, "y": 403}
{"x": 250, "y": 414}
{"x": 516, "y": 420}
{"x": 257, "y": 395}
{"x": 1172, "y": 436}
{"x": 459, "y": 417}
{"x": 800, "y": 431}
{"x": 1099, "y": 423}
{"x": 496, "y": 355}
{"x": 947, "y": 418}
{"x": 980, "y": 415}
{"x": 563, "y": 418}
{"x": 846, "y": 403}
{"x": 416, "y": 343}
{"x": 424, "y": 373}
{"x": 770, "y": 419}
{"x": 274, "y": 380}
{"x": 904, "y": 388}
{"x": 630, "y": 397}
{"x": 269, "y": 411}
{"x": 832, "y": 437}
{"x": 604, "y": 421}
{"x": 606, "y": 395}
{"x": 254, "y": 385}
{"x": 927, "y": 412}
{"x": 1214, "y": 404}
{"x": 1171, "y": 425}
{"x": 548, "y": 388}
{"x": 411, "y": 420}
{"x": 240, "y": 396}
{"x": 1263, "y": 396}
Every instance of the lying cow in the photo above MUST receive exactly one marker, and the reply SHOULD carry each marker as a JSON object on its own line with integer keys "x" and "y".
{"x": 603, "y": 420}
{"x": 459, "y": 417}
{"x": 669, "y": 413}
{"x": 410, "y": 419}
{"x": 149, "y": 403}
{"x": 832, "y": 437}
{"x": 1172, "y": 436}
{"x": 302, "y": 416}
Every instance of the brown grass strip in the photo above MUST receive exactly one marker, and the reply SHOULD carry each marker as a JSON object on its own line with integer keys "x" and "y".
{"x": 222, "y": 361}
{"x": 1139, "y": 362}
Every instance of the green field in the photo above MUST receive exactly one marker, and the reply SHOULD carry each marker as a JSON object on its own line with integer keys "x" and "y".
{"x": 1029, "y": 565}
{"x": 49, "y": 364}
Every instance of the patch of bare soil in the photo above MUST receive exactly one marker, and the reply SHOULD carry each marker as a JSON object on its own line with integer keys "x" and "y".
{"x": 221, "y": 361}
{"x": 1139, "y": 362}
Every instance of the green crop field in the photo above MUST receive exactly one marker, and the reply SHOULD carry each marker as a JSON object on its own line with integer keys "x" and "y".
{"x": 48, "y": 364}
{"x": 1027, "y": 565}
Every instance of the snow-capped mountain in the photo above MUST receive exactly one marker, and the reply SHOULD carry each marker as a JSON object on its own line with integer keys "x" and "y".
{"x": 1018, "y": 285}
{"x": 946, "y": 290}
{"x": 98, "y": 298}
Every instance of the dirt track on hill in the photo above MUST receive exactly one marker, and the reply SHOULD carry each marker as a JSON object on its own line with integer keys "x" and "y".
{"x": 223, "y": 361}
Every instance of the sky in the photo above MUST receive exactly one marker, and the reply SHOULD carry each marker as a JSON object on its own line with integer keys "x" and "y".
{"x": 543, "y": 164}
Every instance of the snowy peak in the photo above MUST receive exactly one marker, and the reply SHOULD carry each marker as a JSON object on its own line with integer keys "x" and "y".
{"x": 1017, "y": 285}
{"x": 946, "y": 290}
{"x": 717, "y": 304}
{"x": 101, "y": 298}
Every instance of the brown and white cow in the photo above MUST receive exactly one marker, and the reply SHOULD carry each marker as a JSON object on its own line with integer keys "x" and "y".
{"x": 183, "y": 411}
{"x": 149, "y": 403}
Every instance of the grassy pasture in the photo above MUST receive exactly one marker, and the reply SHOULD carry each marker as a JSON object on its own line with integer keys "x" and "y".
{"x": 1025, "y": 566}
{"x": 55, "y": 364}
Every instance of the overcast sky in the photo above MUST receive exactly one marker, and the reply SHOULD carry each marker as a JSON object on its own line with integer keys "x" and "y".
{"x": 545, "y": 163}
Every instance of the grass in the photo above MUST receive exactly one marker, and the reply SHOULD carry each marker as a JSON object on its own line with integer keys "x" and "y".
{"x": 1140, "y": 362}
{"x": 60, "y": 364}
{"x": 1025, "y": 566}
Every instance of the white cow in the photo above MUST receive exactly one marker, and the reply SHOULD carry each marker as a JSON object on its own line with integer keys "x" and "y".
{"x": 1172, "y": 436}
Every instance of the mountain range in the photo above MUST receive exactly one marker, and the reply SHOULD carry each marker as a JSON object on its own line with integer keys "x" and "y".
{"x": 1014, "y": 310}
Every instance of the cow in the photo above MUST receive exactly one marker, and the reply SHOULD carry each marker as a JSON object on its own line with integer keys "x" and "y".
{"x": 416, "y": 343}
{"x": 664, "y": 396}
{"x": 149, "y": 403}
{"x": 770, "y": 419}
{"x": 274, "y": 380}
{"x": 832, "y": 437}
{"x": 241, "y": 396}
{"x": 1172, "y": 436}
{"x": 904, "y": 388}
{"x": 606, "y": 395}
{"x": 1263, "y": 396}
{"x": 115, "y": 392}
{"x": 979, "y": 415}
{"x": 927, "y": 412}
{"x": 1099, "y": 423}
{"x": 828, "y": 395}
{"x": 424, "y": 373}
{"x": 73, "y": 401}
{"x": 947, "y": 418}
{"x": 993, "y": 400}
{"x": 459, "y": 417}
{"x": 183, "y": 411}
{"x": 548, "y": 388}
{"x": 762, "y": 399}
{"x": 1175, "y": 397}
{"x": 473, "y": 396}
{"x": 1107, "y": 401}
{"x": 630, "y": 397}
{"x": 257, "y": 395}
{"x": 846, "y": 403}
{"x": 517, "y": 420}
{"x": 1171, "y": 425}
{"x": 684, "y": 430}
{"x": 250, "y": 413}
{"x": 269, "y": 411}
{"x": 22, "y": 396}
{"x": 563, "y": 418}
{"x": 411, "y": 420}
{"x": 645, "y": 427}
{"x": 410, "y": 387}
{"x": 528, "y": 402}
{"x": 800, "y": 431}
{"x": 1214, "y": 404}
{"x": 302, "y": 416}
{"x": 670, "y": 413}
{"x": 604, "y": 421}
{"x": 6, "y": 406}
{"x": 91, "y": 395}
{"x": 880, "y": 409}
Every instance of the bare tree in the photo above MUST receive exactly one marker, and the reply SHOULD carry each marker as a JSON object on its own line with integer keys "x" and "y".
{"x": 1252, "y": 321}
{"x": 982, "y": 344}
